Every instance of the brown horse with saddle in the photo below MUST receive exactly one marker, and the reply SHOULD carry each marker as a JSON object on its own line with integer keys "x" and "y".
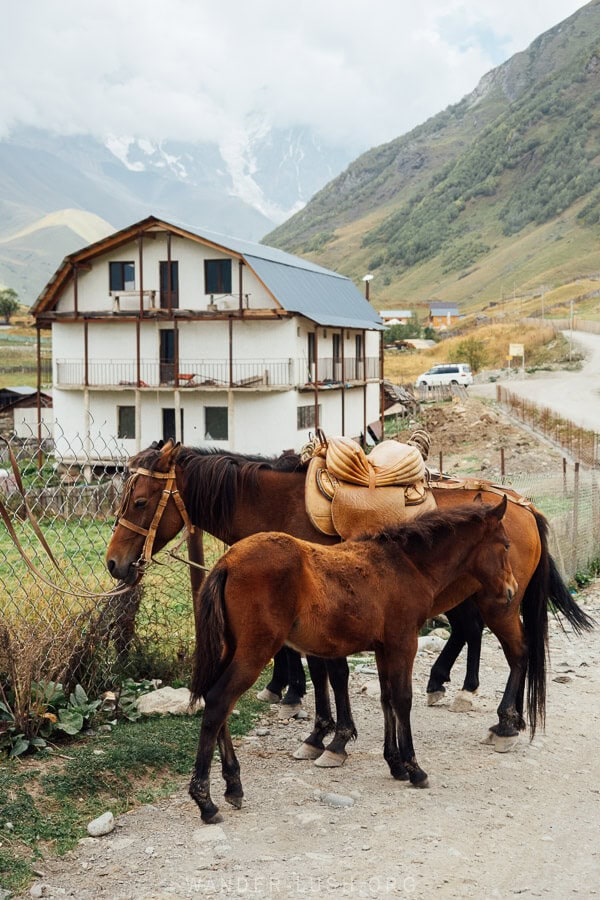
{"x": 233, "y": 496}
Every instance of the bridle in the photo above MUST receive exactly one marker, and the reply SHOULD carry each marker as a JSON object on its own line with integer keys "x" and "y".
{"x": 169, "y": 491}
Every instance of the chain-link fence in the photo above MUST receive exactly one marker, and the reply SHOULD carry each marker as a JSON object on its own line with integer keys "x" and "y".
{"x": 62, "y": 624}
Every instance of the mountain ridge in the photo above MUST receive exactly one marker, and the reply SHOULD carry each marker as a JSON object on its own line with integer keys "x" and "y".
{"x": 428, "y": 211}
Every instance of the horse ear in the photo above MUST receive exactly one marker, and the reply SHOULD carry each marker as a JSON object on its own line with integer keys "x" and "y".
{"x": 169, "y": 451}
{"x": 498, "y": 511}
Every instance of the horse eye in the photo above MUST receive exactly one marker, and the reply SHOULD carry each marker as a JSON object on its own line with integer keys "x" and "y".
{"x": 139, "y": 504}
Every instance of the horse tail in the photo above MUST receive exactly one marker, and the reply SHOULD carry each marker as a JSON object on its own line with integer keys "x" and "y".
{"x": 210, "y": 632}
{"x": 546, "y": 589}
{"x": 559, "y": 596}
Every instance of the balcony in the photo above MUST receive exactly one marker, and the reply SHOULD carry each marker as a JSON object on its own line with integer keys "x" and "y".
{"x": 218, "y": 374}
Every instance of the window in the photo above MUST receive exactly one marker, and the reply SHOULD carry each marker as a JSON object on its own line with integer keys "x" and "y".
{"x": 121, "y": 276}
{"x": 126, "y": 421}
{"x": 217, "y": 276}
{"x": 306, "y": 416}
{"x": 216, "y": 423}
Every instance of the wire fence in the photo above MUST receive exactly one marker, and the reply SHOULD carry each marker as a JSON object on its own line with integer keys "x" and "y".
{"x": 580, "y": 443}
{"x": 54, "y": 628}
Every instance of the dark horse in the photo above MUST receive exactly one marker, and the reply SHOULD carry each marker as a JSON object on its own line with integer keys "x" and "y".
{"x": 371, "y": 594}
{"x": 233, "y": 496}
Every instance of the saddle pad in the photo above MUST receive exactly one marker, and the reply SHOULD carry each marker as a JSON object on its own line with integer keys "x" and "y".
{"x": 356, "y": 511}
{"x": 389, "y": 463}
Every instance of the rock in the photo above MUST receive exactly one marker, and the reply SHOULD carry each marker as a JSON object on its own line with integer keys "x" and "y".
{"x": 338, "y": 801}
{"x": 440, "y": 632}
{"x": 168, "y": 700}
{"x": 433, "y": 643}
{"x": 37, "y": 890}
{"x": 104, "y": 824}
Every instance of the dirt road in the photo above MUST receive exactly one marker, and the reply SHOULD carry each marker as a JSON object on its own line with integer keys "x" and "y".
{"x": 492, "y": 825}
{"x": 574, "y": 395}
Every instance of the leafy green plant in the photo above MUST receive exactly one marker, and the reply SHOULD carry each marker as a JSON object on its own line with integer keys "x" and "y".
{"x": 126, "y": 700}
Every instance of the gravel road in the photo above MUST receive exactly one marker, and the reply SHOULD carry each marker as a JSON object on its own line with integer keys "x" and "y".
{"x": 574, "y": 395}
{"x": 492, "y": 825}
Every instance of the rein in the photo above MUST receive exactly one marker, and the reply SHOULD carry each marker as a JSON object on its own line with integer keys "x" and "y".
{"x": 169, "y": 491}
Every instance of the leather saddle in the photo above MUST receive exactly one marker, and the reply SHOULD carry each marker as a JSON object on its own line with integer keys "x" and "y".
{"x": 350, "y": 494}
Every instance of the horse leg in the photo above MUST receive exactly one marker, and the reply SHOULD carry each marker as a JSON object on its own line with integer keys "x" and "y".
{"x": 219, "y": 703}
{"x": 397, "y": 661}
{"x": 510, "y": 710}
{"x": 274, "y": 689}
{"x": 230, "y": 768}
{"x": 467, "y": 627}
{"x": 471, "y": 627}
{"x": 391, "y": 751}
{"x": 440, "y": 671}
{"x": 345, "y": 729}
{"x": 296, "y": 681}
{"x": 324, "y": 724}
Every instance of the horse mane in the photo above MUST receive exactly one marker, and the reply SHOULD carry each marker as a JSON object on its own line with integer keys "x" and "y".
{"x": 431, "y": 527}
{"x": 215, "y": 480}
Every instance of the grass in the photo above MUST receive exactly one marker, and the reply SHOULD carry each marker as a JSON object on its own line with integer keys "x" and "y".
{"x": 542, "y": 348}
{"x": 50, "y": 799}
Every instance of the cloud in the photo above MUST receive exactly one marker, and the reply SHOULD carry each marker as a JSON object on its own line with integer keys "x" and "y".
{"x": 358, "y": 73}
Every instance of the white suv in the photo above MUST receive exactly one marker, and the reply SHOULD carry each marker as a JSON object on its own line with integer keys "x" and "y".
{"x": 448, "y": 373}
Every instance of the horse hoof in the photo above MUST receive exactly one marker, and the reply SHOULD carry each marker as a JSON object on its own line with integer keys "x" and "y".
{"x": 268, "y": 696}
{"x": 500, "y": 743}
{"x": 505, "y": 744}
{"x": 234, "y": 801}
{"x": 215, "y": 819}
{"x": 463, "y": 702}
{"x": 289, "y": 710}
{"x": 434, "y": 697}
{"x": 424, "y": 783}
{"x": 329, "y": 760}
{"x": 307, "y": 751}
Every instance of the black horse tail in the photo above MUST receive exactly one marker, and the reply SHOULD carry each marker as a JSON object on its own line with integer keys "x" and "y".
{"x": 559, "y": 596}
{"x": 210, "y": 633}
{"x": 546, "y": 589}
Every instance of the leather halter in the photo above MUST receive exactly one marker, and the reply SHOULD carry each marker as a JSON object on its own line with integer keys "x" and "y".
{"x": 170, "y": 490}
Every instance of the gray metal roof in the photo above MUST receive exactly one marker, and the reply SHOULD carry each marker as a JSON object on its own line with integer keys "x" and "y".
{"x": 323, "y": 296}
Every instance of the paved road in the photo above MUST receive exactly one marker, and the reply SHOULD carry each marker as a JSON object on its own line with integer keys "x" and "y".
{"x": 574, "y": 395}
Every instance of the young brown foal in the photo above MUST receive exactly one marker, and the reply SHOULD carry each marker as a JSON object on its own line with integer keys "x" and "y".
{"x": 372, "y": 594}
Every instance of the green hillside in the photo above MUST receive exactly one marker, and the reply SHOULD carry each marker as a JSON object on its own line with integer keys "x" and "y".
{"x": 496, "y": 196}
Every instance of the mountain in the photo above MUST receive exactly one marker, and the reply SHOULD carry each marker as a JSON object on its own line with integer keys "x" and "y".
{"x": 59, "y": 192}
{"x": 497, "y": 193}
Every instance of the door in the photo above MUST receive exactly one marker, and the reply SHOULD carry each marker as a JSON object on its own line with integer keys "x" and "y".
{"x": 167, "y": 355}
{"x": 169, "y": 285}
{"x": 168, "y": 424}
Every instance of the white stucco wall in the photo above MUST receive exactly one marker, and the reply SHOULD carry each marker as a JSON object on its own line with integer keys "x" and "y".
{"x": 93, "y": 288}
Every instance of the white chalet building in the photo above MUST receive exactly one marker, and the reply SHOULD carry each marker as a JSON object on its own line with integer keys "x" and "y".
{"x": 158, "y": 332}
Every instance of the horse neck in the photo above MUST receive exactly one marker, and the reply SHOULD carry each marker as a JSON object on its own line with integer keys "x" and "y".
{"x": 451, "y": 551}
{"x": 277, "y": 504}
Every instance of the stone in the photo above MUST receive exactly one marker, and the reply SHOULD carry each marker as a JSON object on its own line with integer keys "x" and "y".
{"x": 168, "y": 700}
{"x": 104, "y": 824}
{"x": 338, "y": 801}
